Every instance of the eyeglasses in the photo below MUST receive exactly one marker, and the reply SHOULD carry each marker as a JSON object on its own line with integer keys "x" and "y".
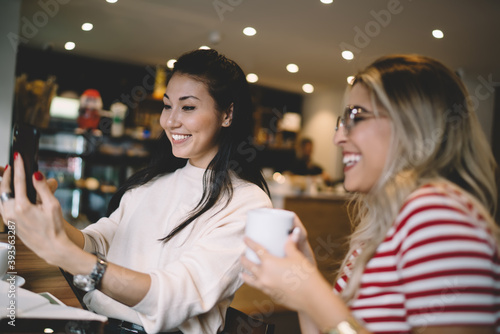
{"x": 352, "y": 116}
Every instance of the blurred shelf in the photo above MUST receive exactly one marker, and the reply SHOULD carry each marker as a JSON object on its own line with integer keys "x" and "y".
{"x": 86, "y": 164}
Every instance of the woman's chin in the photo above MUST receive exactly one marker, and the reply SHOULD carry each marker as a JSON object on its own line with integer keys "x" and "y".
{"x": 178, "y": 154}
{"x": 353, "y": 188}
{"x": 348, "y": 186}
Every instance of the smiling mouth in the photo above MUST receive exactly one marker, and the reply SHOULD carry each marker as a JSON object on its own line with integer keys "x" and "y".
{"x": 350, "y": 160}
{"x": 180, "y": 138}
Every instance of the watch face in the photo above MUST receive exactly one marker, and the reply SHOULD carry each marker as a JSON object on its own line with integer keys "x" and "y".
{"x": 84, "y": 282}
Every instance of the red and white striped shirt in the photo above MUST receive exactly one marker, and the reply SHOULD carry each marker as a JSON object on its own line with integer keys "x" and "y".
{"x": 437, "y": 266}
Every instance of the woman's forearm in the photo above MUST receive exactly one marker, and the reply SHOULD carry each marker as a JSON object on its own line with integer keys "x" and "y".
{"x": 322, "y": 306}
{"x": 74, "y": 234}
{"x": 127, "y": 286}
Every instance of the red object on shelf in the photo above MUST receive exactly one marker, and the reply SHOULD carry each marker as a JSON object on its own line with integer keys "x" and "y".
{"x": 90, "y": 108}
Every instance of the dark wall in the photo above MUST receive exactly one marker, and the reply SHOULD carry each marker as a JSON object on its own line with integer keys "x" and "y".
{"x": 115, "y": 81}
{"x": 275, "y": 98}
{"x": 119, "y": 81}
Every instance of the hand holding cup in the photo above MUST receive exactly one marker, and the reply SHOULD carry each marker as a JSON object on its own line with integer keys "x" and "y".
{"x": 269, "y": 228}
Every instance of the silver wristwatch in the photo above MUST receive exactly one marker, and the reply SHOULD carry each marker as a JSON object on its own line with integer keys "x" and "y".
{"x": 91, "y": 282}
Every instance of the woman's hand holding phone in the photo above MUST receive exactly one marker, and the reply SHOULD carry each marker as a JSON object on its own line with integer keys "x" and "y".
{"x": 25, "y": 139}
{"x": 52, "y": 183}
{"x": 44, "y": 217}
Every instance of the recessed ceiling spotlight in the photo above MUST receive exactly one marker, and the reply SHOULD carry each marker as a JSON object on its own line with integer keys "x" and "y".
{"x": 171, "y": 62}
{"x": 87, "y": 26}
{"x": 347, "y": 55}
{"x": 350, "y": 79}
{"x": 111, "y": 1}
{"x": 437, "y": 33}
{"x": 204, "y": 47}
{"x": 249, "y": 31}
{"x": 69, "y": 45}
{"x": 292, "y": 68}
{"x": 327, "y": 1}
{"x": 308, "y": 88}
{"x": 252, "y": 77}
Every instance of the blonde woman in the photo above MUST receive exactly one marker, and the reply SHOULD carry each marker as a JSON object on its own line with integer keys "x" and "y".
{"x": 424, "y": 254}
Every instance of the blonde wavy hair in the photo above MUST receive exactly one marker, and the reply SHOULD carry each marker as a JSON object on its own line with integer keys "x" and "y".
{"x": 435, "y": 136}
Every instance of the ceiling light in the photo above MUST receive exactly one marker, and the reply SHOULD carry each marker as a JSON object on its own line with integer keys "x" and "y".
{"x": 308, "y": 88}
{"x": 292, "y": 68}
{"x": 111, "y": 1}
{"x": 327, "y": 1}
{"x": 252, "y": 77}
{"x": 350, "y": 79}
{"x": 204, "y": 47}
{"x": 437, "y": 33}
{"x": 69, "y": 45}
{"x": 87, "y": 26}
{"x": 171, "y": 62}
{"x": 347, "y": 55}
{"x": 249, "y": 31}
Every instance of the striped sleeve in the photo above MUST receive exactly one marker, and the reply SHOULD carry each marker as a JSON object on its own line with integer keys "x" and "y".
{"x": 448, "y": 262}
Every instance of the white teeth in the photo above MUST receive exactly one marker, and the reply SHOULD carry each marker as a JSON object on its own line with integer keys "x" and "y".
{"x": 180, "y": 137}
{"x": 351, "y": 159}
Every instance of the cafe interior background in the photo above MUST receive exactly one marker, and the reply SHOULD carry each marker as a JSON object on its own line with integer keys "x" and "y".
{"x": 50, "y": 56}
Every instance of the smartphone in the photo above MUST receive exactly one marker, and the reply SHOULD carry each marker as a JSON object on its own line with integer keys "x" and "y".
{"x": 25, "y": 141}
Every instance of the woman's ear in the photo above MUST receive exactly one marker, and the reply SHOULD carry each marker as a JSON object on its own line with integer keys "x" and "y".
{"x": 228, "y": 117}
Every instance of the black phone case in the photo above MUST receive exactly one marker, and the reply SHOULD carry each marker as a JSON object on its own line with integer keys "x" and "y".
{"x": 25, "y": 139}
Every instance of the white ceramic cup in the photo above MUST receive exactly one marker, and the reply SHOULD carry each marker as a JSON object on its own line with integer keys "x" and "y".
{"x": 4, "y": 249}
{"x": 270, "y": 228}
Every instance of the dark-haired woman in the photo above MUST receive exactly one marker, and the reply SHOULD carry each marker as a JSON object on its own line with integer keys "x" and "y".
{"x": 167, "y": 255}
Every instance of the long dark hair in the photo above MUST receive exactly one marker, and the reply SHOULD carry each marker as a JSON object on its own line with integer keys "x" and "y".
{"x": 228, "y": 87}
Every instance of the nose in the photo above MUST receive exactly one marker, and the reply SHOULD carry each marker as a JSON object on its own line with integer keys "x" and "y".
{"x": 340, "y": 136}
{"x": 170, "y": 119}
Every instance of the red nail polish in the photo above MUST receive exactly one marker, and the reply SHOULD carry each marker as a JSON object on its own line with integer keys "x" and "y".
{"x": 15, "y": 155}
{"x": 6, "y": 166}
{"x": 38, "y": 176}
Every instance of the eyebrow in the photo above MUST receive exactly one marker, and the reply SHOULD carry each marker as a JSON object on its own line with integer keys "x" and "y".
{"x": 182, "y": 98}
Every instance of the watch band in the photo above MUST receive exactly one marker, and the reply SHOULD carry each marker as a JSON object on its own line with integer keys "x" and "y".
{"x": 92, "y": 281}
{"x": 348, "y": 326}
{"x": 99, "y": 269}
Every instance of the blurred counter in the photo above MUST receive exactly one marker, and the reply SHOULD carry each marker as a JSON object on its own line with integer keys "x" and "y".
{"x": 326, "y": 219}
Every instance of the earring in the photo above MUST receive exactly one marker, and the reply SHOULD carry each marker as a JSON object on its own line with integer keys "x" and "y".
{"x": 226, "y": 123}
